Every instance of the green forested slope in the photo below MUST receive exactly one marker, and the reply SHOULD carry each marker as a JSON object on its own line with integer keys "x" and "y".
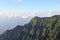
{"x": 47, "y": 28}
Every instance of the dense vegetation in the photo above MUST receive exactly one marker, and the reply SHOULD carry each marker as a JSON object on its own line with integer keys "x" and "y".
{"x": 47, "y": 28}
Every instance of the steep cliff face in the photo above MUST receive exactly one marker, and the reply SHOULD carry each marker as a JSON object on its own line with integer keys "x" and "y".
{"x": 47, "y": 28}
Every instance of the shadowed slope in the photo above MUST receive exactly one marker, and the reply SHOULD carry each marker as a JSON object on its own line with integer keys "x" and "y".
{"x": 47, "y": 28}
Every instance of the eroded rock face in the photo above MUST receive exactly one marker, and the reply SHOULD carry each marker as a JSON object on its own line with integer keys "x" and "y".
{"x": 47, "y": 28}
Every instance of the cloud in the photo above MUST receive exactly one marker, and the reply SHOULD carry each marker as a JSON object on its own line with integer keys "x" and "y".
{"x": 49, "y": 14}
{"x": 27, "y": 15}
{"x": 19, "y": 0}
{"x": 54, "y": 13}
{"x": 13, "y": 15}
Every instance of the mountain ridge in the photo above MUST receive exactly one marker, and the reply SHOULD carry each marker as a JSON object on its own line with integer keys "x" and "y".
{"x": 46, "y": 28}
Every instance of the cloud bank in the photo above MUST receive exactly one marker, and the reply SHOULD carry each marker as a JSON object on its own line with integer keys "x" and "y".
{"x": 27, "y": 15}
{"x": 11, "y": 15}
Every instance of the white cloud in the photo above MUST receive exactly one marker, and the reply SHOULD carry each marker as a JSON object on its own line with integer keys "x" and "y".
{"x": 27, "y": 15}
{"x": 49, "y": 14}
{"x": 19, "y": 0}
{"x": 24, "y": 17}
{"x": 54, "y": 13}
{"x": 21, "y": 15}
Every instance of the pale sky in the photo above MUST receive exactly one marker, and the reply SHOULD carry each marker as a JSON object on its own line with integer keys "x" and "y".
{"x": 27, "y": 8}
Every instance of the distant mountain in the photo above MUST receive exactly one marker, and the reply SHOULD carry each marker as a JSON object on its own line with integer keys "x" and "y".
{"x": 47, "y": 28}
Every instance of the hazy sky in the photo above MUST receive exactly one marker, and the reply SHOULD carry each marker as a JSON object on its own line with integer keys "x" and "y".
{"x": 27, "y": 8}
